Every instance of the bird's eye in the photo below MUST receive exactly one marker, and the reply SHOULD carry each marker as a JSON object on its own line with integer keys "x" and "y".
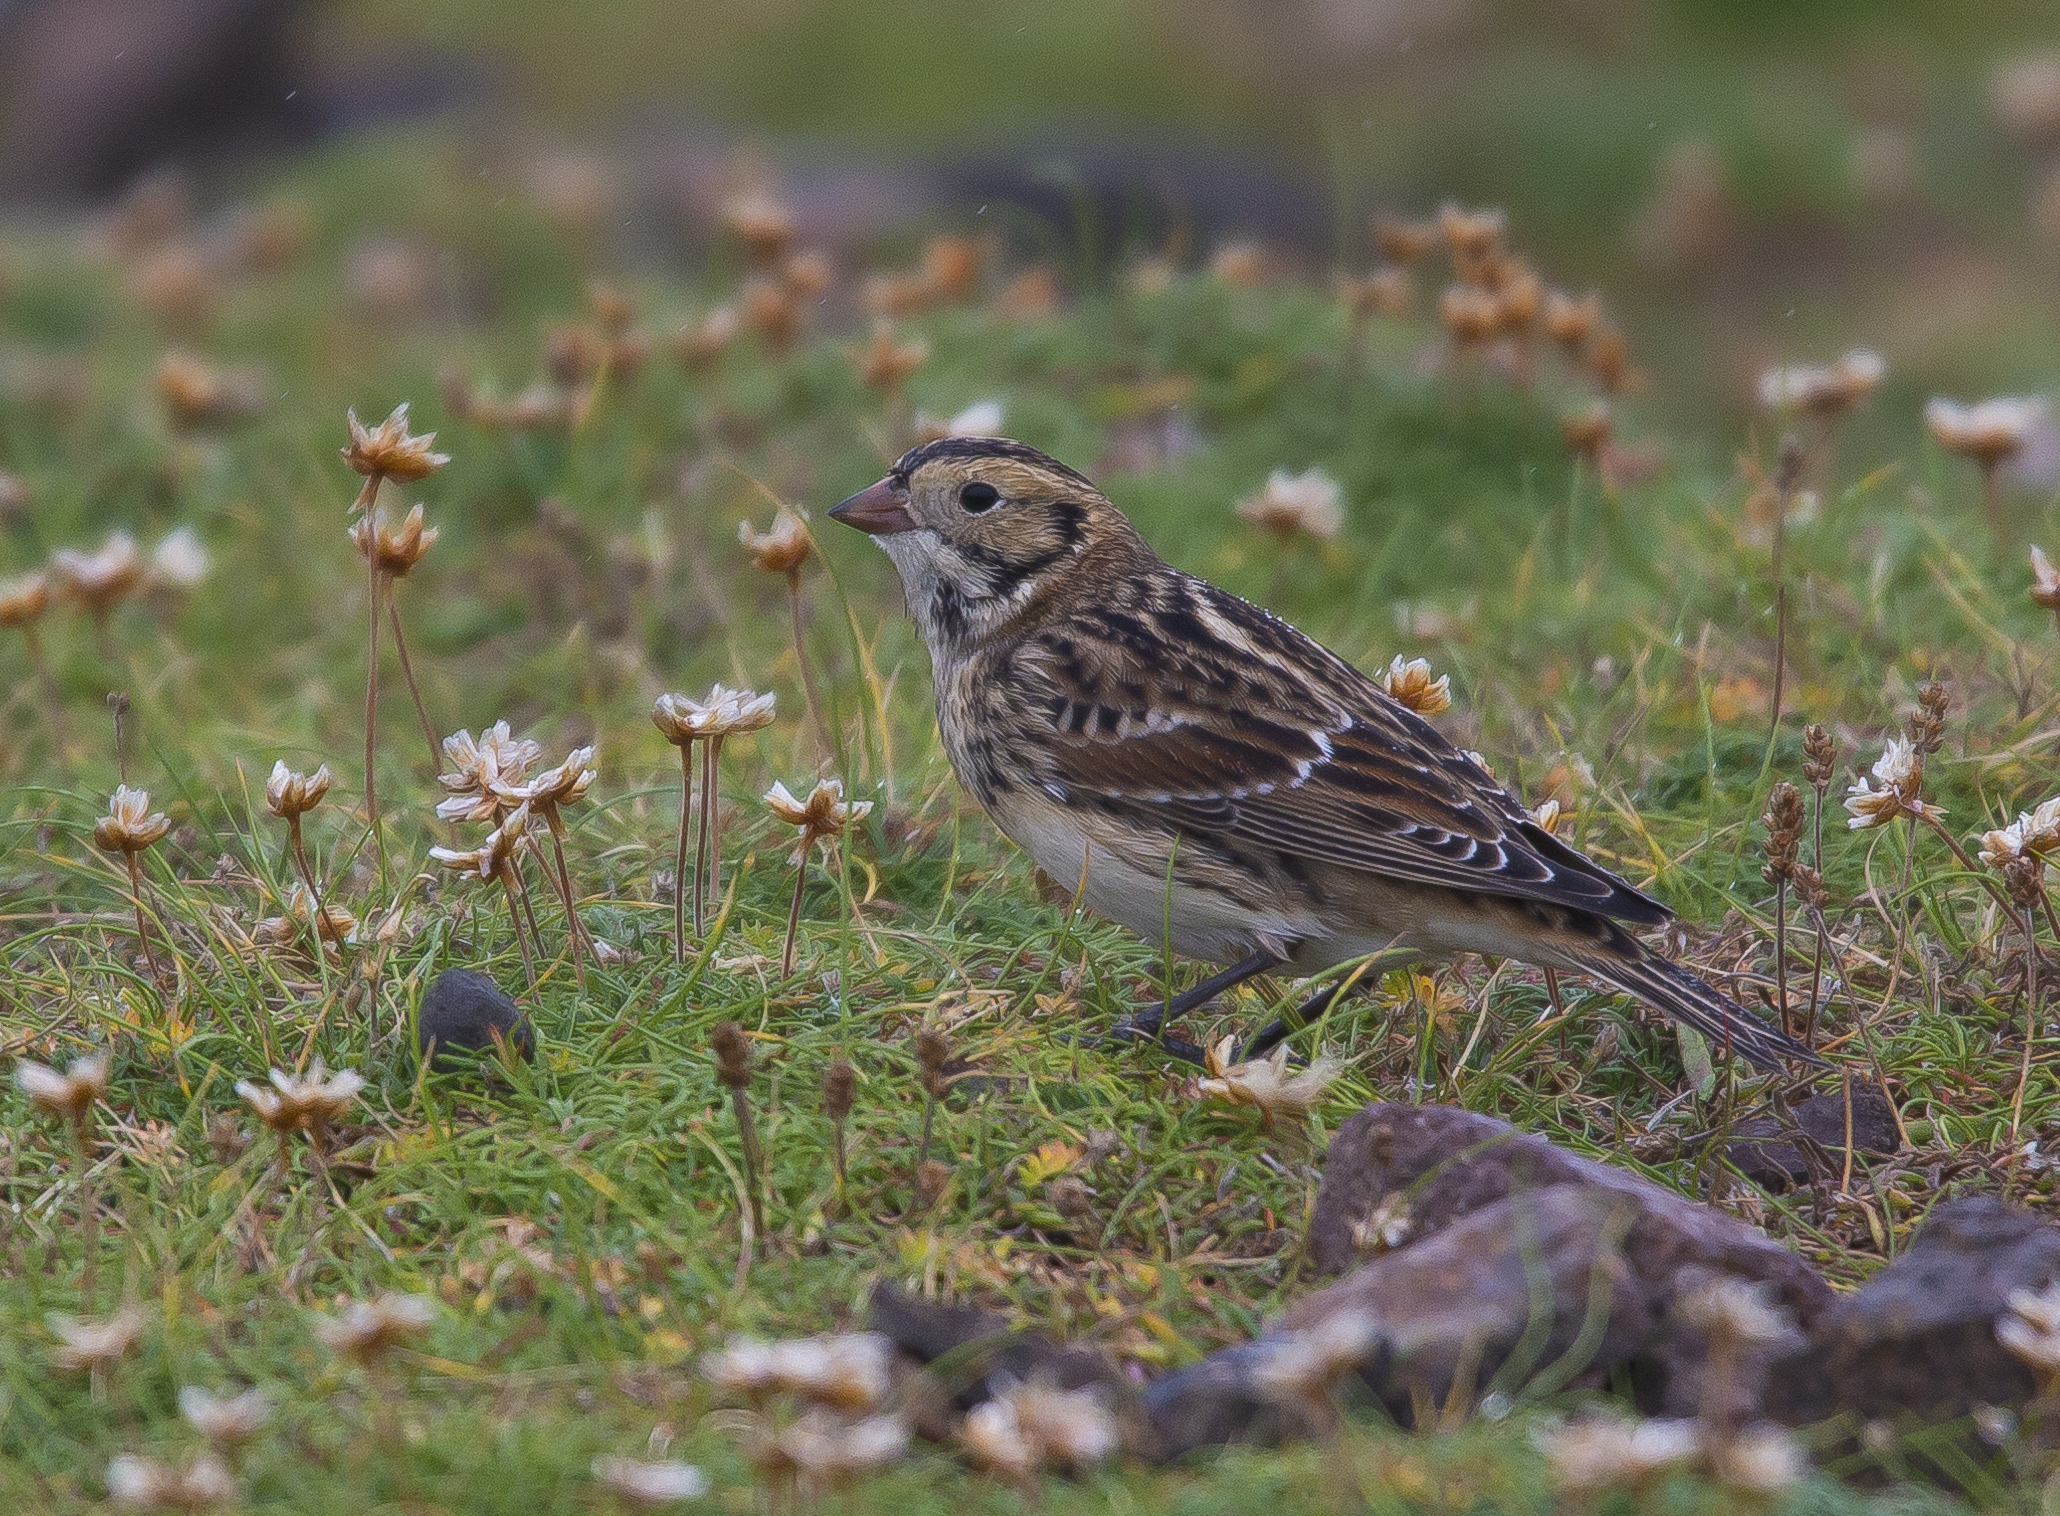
{"x": 979, "y": 496}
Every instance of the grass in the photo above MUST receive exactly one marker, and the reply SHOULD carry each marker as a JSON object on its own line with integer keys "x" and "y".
{"x": 578, "y": 1219}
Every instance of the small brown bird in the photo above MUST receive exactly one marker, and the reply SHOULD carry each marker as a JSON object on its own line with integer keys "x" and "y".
{"x": 1206, "y": 767}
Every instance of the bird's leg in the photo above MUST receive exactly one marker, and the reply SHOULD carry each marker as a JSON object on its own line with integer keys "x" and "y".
{"x": 1156, "y": 1020}
{"x": 1317, "y": 1005}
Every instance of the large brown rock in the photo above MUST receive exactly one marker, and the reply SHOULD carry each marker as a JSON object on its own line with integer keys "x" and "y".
{"x": 1917, "y": 1342}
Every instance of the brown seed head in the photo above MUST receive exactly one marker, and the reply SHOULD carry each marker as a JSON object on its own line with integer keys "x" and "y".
{"x": 932, "y": 1179}
{"x": 809, "y": 274}
{"x": 1470, "y": 314}
{"x": 701, "y": 343}
{"x": 1404, "y": 242}
{"x": 885, "y": 364}
{"x": 1609, "y": 360}
{"x": 130, "y": 826}
{"x": 289, "y": 793}
{"x": 390, "y": 450}
{"x": 2024, "y": 878}
{"x": 840, "y": 1089}
{"x": 1926, "y": 725}
{"x": 1568, "y": 321}
{"x": 732, "y": 1051}
{"x": 762, "y": 221}
{"x": 770, "y": 312}
{"x": 1820, "y": 754}
{"x": 609, "y": 306}
{"x": 102, "y": 579}
{"x": 1471, "y": 234}
{"x": 952, "y": 266}
{"x": 1587, "y": 431}
{"x": 1384, "y": 292}
{"x": 24, "y": 598}
{"x": 1784, "y": 822}
{"x": 1809, "y": 887}
{"x": 395, "y": 550}
{"x": 783, "y": 549}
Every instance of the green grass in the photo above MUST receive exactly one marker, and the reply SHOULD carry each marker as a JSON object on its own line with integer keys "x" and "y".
{"x": 1630, "y": 631}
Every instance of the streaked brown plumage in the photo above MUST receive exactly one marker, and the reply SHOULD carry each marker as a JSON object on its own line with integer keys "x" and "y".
{"x": 1194, "y": 757}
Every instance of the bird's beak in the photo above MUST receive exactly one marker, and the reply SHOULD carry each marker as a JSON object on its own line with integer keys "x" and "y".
{"x": 878, "y": 511}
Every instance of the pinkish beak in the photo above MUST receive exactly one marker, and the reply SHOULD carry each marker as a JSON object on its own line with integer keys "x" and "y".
{"x": 878, "y": 511}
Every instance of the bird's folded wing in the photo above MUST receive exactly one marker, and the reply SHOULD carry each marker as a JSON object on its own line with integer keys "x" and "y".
{"x": 1364, "y": 785}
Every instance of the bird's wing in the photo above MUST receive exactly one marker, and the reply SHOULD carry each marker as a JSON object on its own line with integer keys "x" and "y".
{"x": 1198, "y": 711}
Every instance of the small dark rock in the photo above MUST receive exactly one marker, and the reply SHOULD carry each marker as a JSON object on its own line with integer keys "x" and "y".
{"x": 1768, "y": 1151}
{"x": 1919, "y": 1338}
{"x": 967, "y": 1347}
{"x": 462, "y": 1013}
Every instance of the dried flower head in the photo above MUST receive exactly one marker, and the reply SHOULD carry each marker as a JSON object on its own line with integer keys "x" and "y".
{"x": 649, "y": 1484}
{"x": 2030, "y": 1331}
{"x": 1384, "y": 292}
{"x": 701, "y": 343}
{"x": 1403, "y": 241}
{"x": 1926, "y": 724}
{"x": 1471, "y": 235}
{"x": 565, "y": 784}
{"x": 333, "y": 924}
{"x": 394, "y": 550}
{"x": 1306, "y": 502}
{"x": 390, "y": 450}
{"x": 102, "y": 579}
{"x": 1826, "y": 392}
{"x": 1761, "y": 1460}
{"x": 781, "y": 550}
{"x": 1738, "y": 1313}
{"x": 2045, "y": 583}
{"x": 1991, "y": 432}
{"x": 1587, "y": 431}
{"x": 369, "y": 1328}
{"x": 1897, "y": 790}
{"x": 849, "y": 1372}
{"x": 70, "y": 1094}
{"x": 725, "y": 713}
{"x": 1568, "y": 321}
{"x": 884, "y": 363}
{"x": 1820, "y": 755}
{"x": 198, "y": 395}
{"x": 1244, "y": 263}
{"x": 770, "y": 311}
{"x": 130, "y": 826}
{"x": 809, "y": 273}
{"x": 25, "y": 597}
{"x": 1409, "y": 682}
{"x": 1598, "y": 1453}
{"x": 1784, "y": 823}
{"x": 1470, "y": 314}
{"x": 179, "y": 561}
{"x": 226, "y": 1420}
{"x": 762, "y": 221}
{"x": 1027, "y": 1426}
{"x": 1301, "y": 1368}
{"x": 146, "y": 1484}
{"x": 1552, "y": 817}
{"x": 823, "y": 1451}
{"x": 290, "y": 793}
{"x": 825, "y": 813}
{"x": 840, "y": 1089}
{"x": 492, "y": 857}
{"x": 1266, "y": 1083}
{"x": 732, "y": 1055}
{"x": 83, "y": 1343}
{"x": 983, "y": 418}
{"x": 311, "y": 1102}
{"x": 933, "y": 1053}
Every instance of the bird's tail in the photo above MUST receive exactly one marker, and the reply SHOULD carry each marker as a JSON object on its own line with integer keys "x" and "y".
{"x": 1691, "y": 1002}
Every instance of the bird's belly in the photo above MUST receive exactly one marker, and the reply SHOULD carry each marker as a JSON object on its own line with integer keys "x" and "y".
{"x": 1122, "y": 873}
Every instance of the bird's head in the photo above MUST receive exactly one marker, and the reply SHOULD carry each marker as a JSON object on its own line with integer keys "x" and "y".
{"x": 980, "y": 529}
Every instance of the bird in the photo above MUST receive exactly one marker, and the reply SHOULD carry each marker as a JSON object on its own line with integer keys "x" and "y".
{"x": 1218, "y": 781}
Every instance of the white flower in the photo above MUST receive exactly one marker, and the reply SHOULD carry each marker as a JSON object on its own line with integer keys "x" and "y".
{"x": 225, "y": 1419}
{"x": 983, "y": 418}
{"x": 1736, "y": 1311}
{"x": 650, "y": 1483}
{"x": 145, "y": 1483}
{"x": 179, "y": 560}
{"x": 70, "y": 1094}
{"x": 1409, "y": 681}
{"x": 88, "y": 1344}
{"x": 1290, "y": 503}
{"x": 1300, "y": 1368}
{"x": 1899, "y": 791}
{"x": 849, "y": 1371}
{"x": 1266, "y": 1083}
{"x": 1828, "y": 391}
{"x": 368, "y": 1328}
{"x": 825, "y": 813}
{"x": 2031, "y": 1331}
{"x": 1597, "y": 1453}
{"x": 724, "y": 713}
{"x": 1991, "y": 432}
{"x": 1761, "y": 1460}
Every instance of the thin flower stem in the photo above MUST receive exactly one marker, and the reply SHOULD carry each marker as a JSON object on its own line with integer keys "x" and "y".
{"x": 89, "y": 1206}
{"x": 1781, "y": 952}
{"x": 708, "y": 845}
{"x": 372, "y": 724}
{"x": 754, "y": 1161}
{"x": 563, "y": 883}
{"x": 300, "y": 857}
{"x": 515, "y": 921}
{"x": 1816, "y": 981}
{"x": 142, "y": 932}
{"x": 528, "y": 901}
{"x": 2031, "y": 1014}
{"x": 679, "y": 870}
{"x": 794, "y": 913}
{"x": 2002, "y": 896}
{"x": 1992, "y": 503}
{"x": 400, "y": 646}
{"x": 815, "y": 705}
{"x": 53, "y": 699}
